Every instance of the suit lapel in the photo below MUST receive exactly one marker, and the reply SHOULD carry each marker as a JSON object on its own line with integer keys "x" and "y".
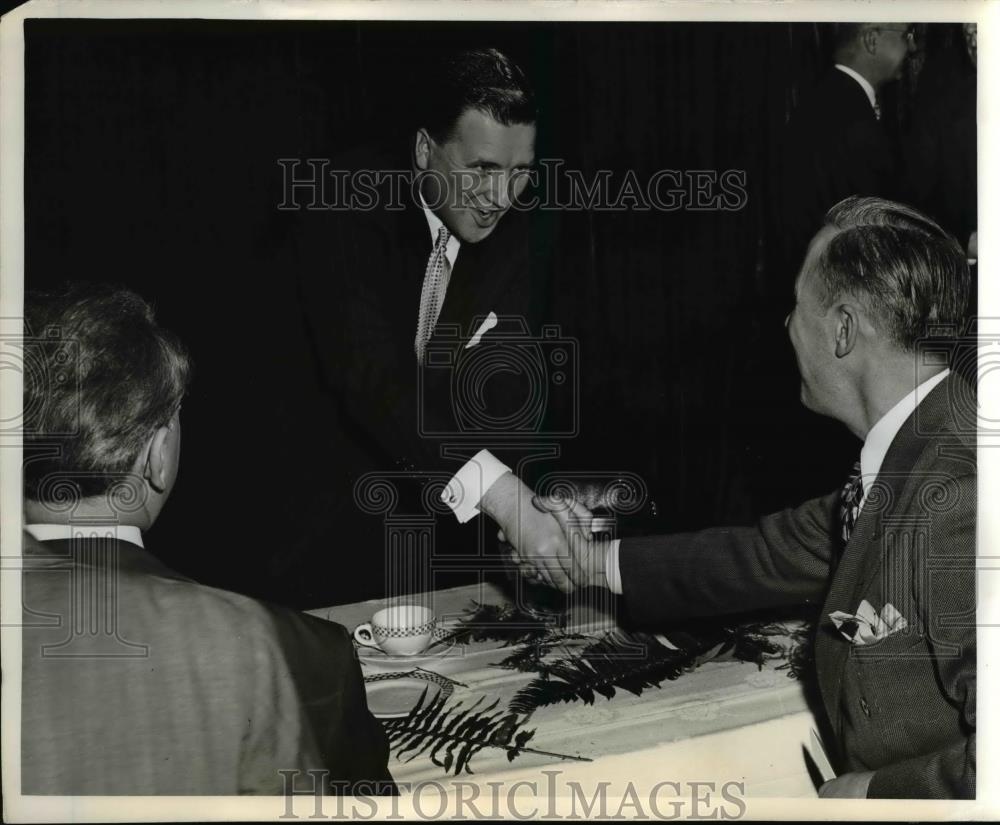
{"x": 481, "y": 281}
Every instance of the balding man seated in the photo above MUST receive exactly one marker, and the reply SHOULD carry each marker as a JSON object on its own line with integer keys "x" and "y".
{"x": 137, "y": 680}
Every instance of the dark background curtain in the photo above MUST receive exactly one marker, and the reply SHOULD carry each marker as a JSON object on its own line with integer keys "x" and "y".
{"x": 152, "y": 161}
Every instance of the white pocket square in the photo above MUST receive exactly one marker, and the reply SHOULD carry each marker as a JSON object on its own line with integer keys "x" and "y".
{"x": 866, "y": 626}
{"x": 484, "y": 327}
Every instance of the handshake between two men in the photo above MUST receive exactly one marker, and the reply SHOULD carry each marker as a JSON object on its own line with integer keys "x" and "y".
{"x": 550, "y": 537}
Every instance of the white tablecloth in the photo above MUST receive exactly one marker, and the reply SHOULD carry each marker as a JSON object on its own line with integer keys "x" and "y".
{"x": 722, "y": 722}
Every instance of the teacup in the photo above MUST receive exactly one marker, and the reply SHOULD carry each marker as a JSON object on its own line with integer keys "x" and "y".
{"x": 400, "y": 630}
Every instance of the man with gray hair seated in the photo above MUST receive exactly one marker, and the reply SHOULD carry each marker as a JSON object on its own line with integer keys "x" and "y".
{"x": 137, "y": 680}
{"x": 890, "y": 555}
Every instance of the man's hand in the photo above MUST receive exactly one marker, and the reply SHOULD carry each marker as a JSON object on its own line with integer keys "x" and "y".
{"x": 540, "y": 547}
{"x": 848, "y": 786}
{"x": 585, "y": 565}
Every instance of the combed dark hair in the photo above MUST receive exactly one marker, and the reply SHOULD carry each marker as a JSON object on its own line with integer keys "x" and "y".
{"x": 904, "y": 268}
{"x": 100, "y": 376}
{"x": 484, "y": 79}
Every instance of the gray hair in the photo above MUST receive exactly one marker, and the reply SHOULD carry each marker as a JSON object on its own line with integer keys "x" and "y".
{"x": 100, "y": 377}
{"x": 904, "y": 268}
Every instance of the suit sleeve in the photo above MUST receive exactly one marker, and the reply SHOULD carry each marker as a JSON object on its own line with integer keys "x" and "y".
{"x": 310, "y": 687}
{"x": 946, "y": 606}
{"x": 783, "y": 561}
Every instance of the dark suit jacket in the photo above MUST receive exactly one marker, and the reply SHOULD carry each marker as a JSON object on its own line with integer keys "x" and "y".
{"x": 361, "y": 274}
{"x": 139, "y": 681}
{"x": 834, "y": 147}
{"x": 904, "y": 707}
{"x": 360, "y": 277}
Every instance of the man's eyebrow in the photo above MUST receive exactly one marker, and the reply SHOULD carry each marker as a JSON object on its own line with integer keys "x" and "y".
{"x": 491, "y": 164}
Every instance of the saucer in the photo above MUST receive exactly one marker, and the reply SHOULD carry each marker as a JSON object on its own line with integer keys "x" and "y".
{"x": 392, "y": 697}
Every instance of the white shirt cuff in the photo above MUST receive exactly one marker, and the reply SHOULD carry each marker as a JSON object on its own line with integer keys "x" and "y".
{"x": 611, "y": 570}
{"x": 468, "y": 486}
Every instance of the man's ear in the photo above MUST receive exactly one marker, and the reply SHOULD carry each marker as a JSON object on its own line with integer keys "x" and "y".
{"x": 422, "y": 150}
{"x": 869, "y": 39}
{"x": 848, "y": 320}
{"x": 157, "y": 468}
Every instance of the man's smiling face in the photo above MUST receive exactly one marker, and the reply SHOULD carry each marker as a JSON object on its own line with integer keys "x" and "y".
{"x": 475, "y": 175}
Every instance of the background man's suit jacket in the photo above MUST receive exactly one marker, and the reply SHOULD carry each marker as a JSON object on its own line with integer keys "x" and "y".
{"x": 905, "y": 706}
{"x": 361, "y": 273}
{"x": 834, "y": 147}
{"x": 198, "y": 691}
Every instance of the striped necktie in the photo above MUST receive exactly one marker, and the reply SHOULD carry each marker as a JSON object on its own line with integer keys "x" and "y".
{"x": 850, "y": 502}
{"x": 432, "y": 294}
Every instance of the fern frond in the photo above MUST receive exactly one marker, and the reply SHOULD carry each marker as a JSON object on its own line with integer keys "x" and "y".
{"x": 502, "y": 623}
{"x": 601, "y": 669}
{"x": 453, "y": 735}
{"x": 530, "y": 656}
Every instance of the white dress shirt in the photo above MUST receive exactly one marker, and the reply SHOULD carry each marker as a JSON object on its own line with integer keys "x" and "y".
{"x": 869, "y": 89}
{"x": 873, "y": 453}
{"x": 881, "y": 435}
{"x": 57, "y": 532}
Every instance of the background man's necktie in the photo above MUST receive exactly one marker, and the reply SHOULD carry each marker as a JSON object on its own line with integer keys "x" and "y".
{"x": 850, "y": 503}
{"x": 432, "y": 295}
{"x": 878, "y": 109}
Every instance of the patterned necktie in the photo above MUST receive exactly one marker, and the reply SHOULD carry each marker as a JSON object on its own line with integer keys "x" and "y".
{"x": 850, "y": 502}
{"x": 432, "y": 295}
{"x": 878, "y": 109}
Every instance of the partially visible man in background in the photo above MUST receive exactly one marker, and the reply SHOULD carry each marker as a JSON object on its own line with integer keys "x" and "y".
{"x": 836, "y": 142}
{"x": 137, "y": 680}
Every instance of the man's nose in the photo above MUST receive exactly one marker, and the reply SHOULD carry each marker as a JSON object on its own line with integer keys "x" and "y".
{"x": 500, "y": 190}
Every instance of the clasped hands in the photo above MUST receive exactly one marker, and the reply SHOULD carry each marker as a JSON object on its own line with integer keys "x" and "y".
{"x": 550, "y": 536}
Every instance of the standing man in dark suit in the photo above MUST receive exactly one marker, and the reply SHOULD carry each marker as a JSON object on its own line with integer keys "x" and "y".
{"x": 836, "y": 144}
{"x": 426, "y": 256}
{"x": 891, "y": 556}
{"x": 135, "y": 679}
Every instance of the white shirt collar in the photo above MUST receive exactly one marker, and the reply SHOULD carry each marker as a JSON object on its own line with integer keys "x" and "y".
{"x": 434, "y": 223}
{"x": 881, "y": 435}
{"x": 57, "y": 532}
{"x": 869, "y": 89}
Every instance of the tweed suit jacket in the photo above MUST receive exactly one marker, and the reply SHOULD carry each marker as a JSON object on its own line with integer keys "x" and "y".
{"x": 139, "y": 681}
{"x": 905, "y": 705}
